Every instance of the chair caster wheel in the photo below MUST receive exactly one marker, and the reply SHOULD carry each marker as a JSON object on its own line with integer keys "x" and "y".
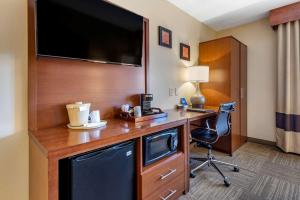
{"x": 192, "y": 175}
{"x": 227, "y": 182}
{"x": 236, "y": 169}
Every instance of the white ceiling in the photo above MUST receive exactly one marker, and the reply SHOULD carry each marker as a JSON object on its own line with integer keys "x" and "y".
{"x": 223, "y": 14}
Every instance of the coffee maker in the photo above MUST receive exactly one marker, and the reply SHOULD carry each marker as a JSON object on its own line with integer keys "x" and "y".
{"x": 146, "y": 104}
{"x": 146, "y": 100}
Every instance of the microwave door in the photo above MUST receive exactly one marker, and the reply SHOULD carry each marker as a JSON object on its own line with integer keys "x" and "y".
{"x": 159, "y": 146}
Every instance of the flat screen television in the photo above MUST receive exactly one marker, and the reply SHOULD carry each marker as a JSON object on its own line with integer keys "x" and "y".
{"x": 92, "y": 30}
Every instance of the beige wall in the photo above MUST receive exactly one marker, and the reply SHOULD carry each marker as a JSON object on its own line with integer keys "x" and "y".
{"x": 13, "y": 100}
{"x": 261, "y": 41}
{"x": 166, "y": 71}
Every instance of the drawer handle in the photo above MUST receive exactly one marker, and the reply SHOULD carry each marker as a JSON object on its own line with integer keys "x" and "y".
{"x": 172, "y": 192}
{"x": 172, "y": 171}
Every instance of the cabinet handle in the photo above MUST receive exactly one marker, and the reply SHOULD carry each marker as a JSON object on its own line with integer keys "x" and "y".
{"x": 172, "y": 171}
{"x": 172, "y": 192}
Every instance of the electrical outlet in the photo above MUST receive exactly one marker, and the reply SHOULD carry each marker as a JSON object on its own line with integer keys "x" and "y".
{"x": 176, "y": 93}
{"x": 171, "y": 92}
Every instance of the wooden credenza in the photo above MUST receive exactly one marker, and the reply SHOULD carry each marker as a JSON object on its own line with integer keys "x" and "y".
{"x": 167, "y": 178}
{"x": 227, "y": 61}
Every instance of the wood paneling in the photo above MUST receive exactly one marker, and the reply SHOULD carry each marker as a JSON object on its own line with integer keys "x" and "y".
{"x": 106, "y": 87}
{"x": 226, "y": 58}
{"x": 139, "y": 166}
{"x": 38, "y": 173}
{"x": 53, "y": 174}
{"x": 146, "y": 54}
{"x": 55, "y": 82}
{"x": 285, "y": 14}
{"x": 186, "y": 151}
{"x": 243, "y": 61}
{"x": 32, "y": 69}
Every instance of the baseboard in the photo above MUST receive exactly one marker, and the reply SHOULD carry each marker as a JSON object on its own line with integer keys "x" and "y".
{"x": 260, "y": 141}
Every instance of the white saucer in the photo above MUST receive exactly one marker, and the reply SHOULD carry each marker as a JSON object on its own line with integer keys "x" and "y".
{"x": 89, "y": 125}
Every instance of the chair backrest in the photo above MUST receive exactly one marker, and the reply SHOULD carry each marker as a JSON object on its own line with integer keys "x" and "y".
{"x": 223, "y": 124}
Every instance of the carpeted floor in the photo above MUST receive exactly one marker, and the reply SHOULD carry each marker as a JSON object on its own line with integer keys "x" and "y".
{"x": 265, "y": 173}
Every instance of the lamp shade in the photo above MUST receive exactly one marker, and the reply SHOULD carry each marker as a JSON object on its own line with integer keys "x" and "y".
{"x": 198, "y": 74}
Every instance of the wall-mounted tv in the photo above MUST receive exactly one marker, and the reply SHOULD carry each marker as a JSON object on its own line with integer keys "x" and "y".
{"x": 92, "y": 30}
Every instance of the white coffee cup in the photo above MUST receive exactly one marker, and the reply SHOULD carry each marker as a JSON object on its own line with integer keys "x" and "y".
{"x": 137, "y": 111}
{"x": 95, "y": 116}
{"x": 125, "y": 107}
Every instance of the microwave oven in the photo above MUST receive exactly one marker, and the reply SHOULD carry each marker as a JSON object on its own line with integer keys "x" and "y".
{"x": 159, "y": 145}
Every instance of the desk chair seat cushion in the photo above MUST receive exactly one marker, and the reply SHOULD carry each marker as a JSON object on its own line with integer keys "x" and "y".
{"x": 202, "y": 135}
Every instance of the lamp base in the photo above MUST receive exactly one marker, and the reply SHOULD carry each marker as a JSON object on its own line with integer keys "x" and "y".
{"x": 198, "y": 101}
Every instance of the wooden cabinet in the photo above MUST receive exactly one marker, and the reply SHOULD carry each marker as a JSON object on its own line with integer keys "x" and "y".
{"x": 172, "y": 190}
{"x": 168, "y": 177}
{"x": 158, "y": 180}
{"x": 227, "y": 61}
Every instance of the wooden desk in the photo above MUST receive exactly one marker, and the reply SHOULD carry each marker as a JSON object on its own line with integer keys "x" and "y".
{"x": 48, "y": 146}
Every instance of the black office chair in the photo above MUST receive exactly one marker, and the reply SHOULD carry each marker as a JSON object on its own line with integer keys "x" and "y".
{"x": 206, "y": 137}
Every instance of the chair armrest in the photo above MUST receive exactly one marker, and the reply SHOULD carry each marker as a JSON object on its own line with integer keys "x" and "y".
{"x": 213, "y": 130}
{"x": 206, "y": 128}
{"x": 207, "y": 125}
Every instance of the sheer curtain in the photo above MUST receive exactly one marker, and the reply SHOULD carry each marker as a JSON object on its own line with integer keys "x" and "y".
{"x": 288, "y": 87}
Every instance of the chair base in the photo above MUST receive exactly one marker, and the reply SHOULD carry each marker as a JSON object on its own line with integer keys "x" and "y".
{"x": 211, "y": 161}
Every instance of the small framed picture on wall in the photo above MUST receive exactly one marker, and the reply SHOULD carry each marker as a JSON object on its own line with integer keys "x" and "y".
{"x": 165, "y": 37}
{"x": 185, "y": 52}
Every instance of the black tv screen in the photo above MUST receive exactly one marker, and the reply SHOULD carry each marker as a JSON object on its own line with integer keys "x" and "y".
{"x": 92, "y": 30}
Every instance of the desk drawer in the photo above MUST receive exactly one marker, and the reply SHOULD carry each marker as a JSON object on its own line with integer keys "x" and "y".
{"x": 162, "y": 174}
{"x": 170, "y": 191}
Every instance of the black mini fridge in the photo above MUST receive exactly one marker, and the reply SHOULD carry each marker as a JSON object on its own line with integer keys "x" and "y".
{"x": 105, "y": 174}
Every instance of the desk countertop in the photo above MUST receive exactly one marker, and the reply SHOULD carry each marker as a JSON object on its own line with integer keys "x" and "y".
{"x": 61, "y": 140}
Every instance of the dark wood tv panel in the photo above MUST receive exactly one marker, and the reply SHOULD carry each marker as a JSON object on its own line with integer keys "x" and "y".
{"x": 48, "y": 146}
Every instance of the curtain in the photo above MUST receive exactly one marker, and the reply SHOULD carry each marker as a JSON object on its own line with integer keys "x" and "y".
{"x": 288, "y": 87}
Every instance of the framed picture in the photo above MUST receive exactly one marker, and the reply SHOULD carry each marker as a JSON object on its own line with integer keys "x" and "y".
{"x": 165, "y": 37}
{"x": 185, "y": 52}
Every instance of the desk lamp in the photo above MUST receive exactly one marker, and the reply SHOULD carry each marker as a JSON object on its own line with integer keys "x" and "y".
{"x": 197, "y": 75}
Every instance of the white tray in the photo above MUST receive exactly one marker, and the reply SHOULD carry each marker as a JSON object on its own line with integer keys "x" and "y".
{"x": 89, "y": 125}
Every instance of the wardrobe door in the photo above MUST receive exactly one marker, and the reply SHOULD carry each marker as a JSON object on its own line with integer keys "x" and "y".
{"x": 227, "y": 61}
{"x": 235, "y": 94}
{"x": 217, "y": 55}
{"x": 243, "y": 84}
